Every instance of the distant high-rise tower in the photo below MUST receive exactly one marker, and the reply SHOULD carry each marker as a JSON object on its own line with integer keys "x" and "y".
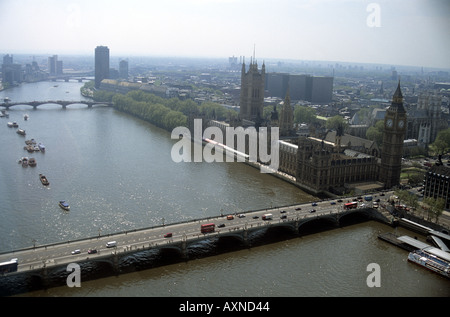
{"x": 123, "y": 69}
{"x": 393, "y": 137}
{"x": 101, "y": 64}
{"x": 55, "y": 67}
{"x": 252, "y": 92}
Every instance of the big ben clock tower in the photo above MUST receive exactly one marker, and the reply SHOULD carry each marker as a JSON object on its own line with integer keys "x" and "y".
{"x": 393, "y": 136}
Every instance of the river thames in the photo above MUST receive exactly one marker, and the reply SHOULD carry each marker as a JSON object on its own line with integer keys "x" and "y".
{"x": 116, "y": 173}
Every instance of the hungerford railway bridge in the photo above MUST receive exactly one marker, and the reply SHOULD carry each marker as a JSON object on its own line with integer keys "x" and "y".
{"x": 47, "y": 265}
{"x": 62, "y": 103}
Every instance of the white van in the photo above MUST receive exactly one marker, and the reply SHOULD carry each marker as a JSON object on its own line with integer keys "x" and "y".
{"x": 111, "y": 244}
{"x": 267, "y": 217}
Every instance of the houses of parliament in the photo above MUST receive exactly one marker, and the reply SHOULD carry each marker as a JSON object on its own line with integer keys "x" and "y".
{"x": 325, "y": 166}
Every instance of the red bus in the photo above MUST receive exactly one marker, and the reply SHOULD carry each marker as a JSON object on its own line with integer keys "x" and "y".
{"x": 351, "y": 205}
{"x": 208, "y": 228}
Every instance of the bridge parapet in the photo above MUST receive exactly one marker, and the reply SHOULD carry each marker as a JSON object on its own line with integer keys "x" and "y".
{"x": 62, "y": 103}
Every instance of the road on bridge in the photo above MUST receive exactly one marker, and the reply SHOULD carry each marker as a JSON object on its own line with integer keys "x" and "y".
{"x": 63, "y": 253}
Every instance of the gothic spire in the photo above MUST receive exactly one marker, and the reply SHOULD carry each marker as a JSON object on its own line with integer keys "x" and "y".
{"x": 397, "y": 100}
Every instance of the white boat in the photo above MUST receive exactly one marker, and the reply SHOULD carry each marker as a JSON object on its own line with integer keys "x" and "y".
{"x": 21, "y": 131}
{"x": 25, "y": 117}
{"x": 41, "y": 147}
{"x": 64, "y": 205}
{"x": 430, "y": 261}
{"x": 12, "y": 124}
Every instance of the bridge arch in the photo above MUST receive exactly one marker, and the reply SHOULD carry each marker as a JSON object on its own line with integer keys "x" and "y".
{"x": 355, "y": 216}
{"x": 318, "y": 224}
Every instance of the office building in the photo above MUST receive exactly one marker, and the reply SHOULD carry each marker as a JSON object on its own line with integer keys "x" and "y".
{"x": 316, "y": 89}
{"x": 123, "y": 69}
{"x": 101, "y": 64}
{"x": 11, "y": 73}
{"x": 55, "y": 67}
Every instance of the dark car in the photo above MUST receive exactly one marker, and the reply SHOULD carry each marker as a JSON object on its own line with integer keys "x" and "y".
{"x": 92, "y": 251}
{"x": 282, "y": 211}
{"x": 298, "y": 208}
{"x": 168, "y": 235}
{"x": 221, "y": 225}
{"x": 283, "y": 217}
{"x": 312, "y": 210}
{"x": 314, "y": 204}
{"x": 255, "y": 217}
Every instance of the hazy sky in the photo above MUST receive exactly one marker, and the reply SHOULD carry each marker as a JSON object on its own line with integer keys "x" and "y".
{"x": 396, "y": 32}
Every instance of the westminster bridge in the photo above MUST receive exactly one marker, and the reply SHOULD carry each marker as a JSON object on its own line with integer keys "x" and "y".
{"x": 62, "y": 103}
{"x": 47, "y": 265}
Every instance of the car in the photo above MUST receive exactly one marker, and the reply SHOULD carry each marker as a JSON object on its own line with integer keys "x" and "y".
{"x": 283, "y": 217}
{"x": 230, "y": 217}
{"x": 312, "y": 210}
{"x": 221, "y": 225}
{"x": 241, "y": 216}
{"x": 255, "y": 217}
{"x": 298, "y": 208}
{"x": 92, "y": 251}
{"x": 339, "y": 200}
{"x": 282, "y": 211}
{"x": 333, "y": 203}
{"x": 314, "y": 204}
{"x": 168, "y": 235}
{"x": 76, "y": 252}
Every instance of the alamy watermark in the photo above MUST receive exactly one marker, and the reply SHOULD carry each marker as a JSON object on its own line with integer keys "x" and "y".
{"x": 74, "y": 278}
{"x": 374, "y": 278}
{"x": 374, "y": 18}
{"x": 214, "y": 149}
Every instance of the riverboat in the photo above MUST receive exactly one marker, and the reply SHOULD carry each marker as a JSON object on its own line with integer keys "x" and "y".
{"x": 32, "y": 162}
{"x": 430, "y": 261}
{"x": 44, "y": 180}
{"x": 21, "y": 131}
{"x": 24, "y": 161}
{"x": 25, "y": 117}
{"x": 41, "y": 147}
{"x": 12, "y": 124}
{"x": 64, "y": 205}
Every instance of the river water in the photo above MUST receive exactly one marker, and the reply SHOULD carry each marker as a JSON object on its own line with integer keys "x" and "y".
{"x": 117, "y": 174}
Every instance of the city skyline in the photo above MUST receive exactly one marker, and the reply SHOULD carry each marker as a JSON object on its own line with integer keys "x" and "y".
{"x": 411, "y": 33}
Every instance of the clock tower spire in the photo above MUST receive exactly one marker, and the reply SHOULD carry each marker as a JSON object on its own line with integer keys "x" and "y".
{"x": 393, "y": 136}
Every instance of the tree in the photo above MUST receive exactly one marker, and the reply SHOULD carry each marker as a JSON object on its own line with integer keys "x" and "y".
{"x": 304, "y": 114}
{"x": 441, "y": 144}
{"x": 435, "y": 207}
{"x": 375, "y": 133}
{"x": 336, "y": 122}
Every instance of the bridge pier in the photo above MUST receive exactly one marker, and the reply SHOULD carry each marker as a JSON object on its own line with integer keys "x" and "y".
{"x": 184, "y": 253}
{"x": 245, "y": 237}
{"x": 115, "y": 262}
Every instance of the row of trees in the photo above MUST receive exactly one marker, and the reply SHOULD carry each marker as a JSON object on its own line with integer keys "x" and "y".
{"x": 162, "y": 112}
{"x": 431, "y": 207}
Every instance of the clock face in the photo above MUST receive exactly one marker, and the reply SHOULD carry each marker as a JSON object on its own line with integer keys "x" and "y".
{"x": 389, "y": 123}
{"x": 401, "y": 124}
